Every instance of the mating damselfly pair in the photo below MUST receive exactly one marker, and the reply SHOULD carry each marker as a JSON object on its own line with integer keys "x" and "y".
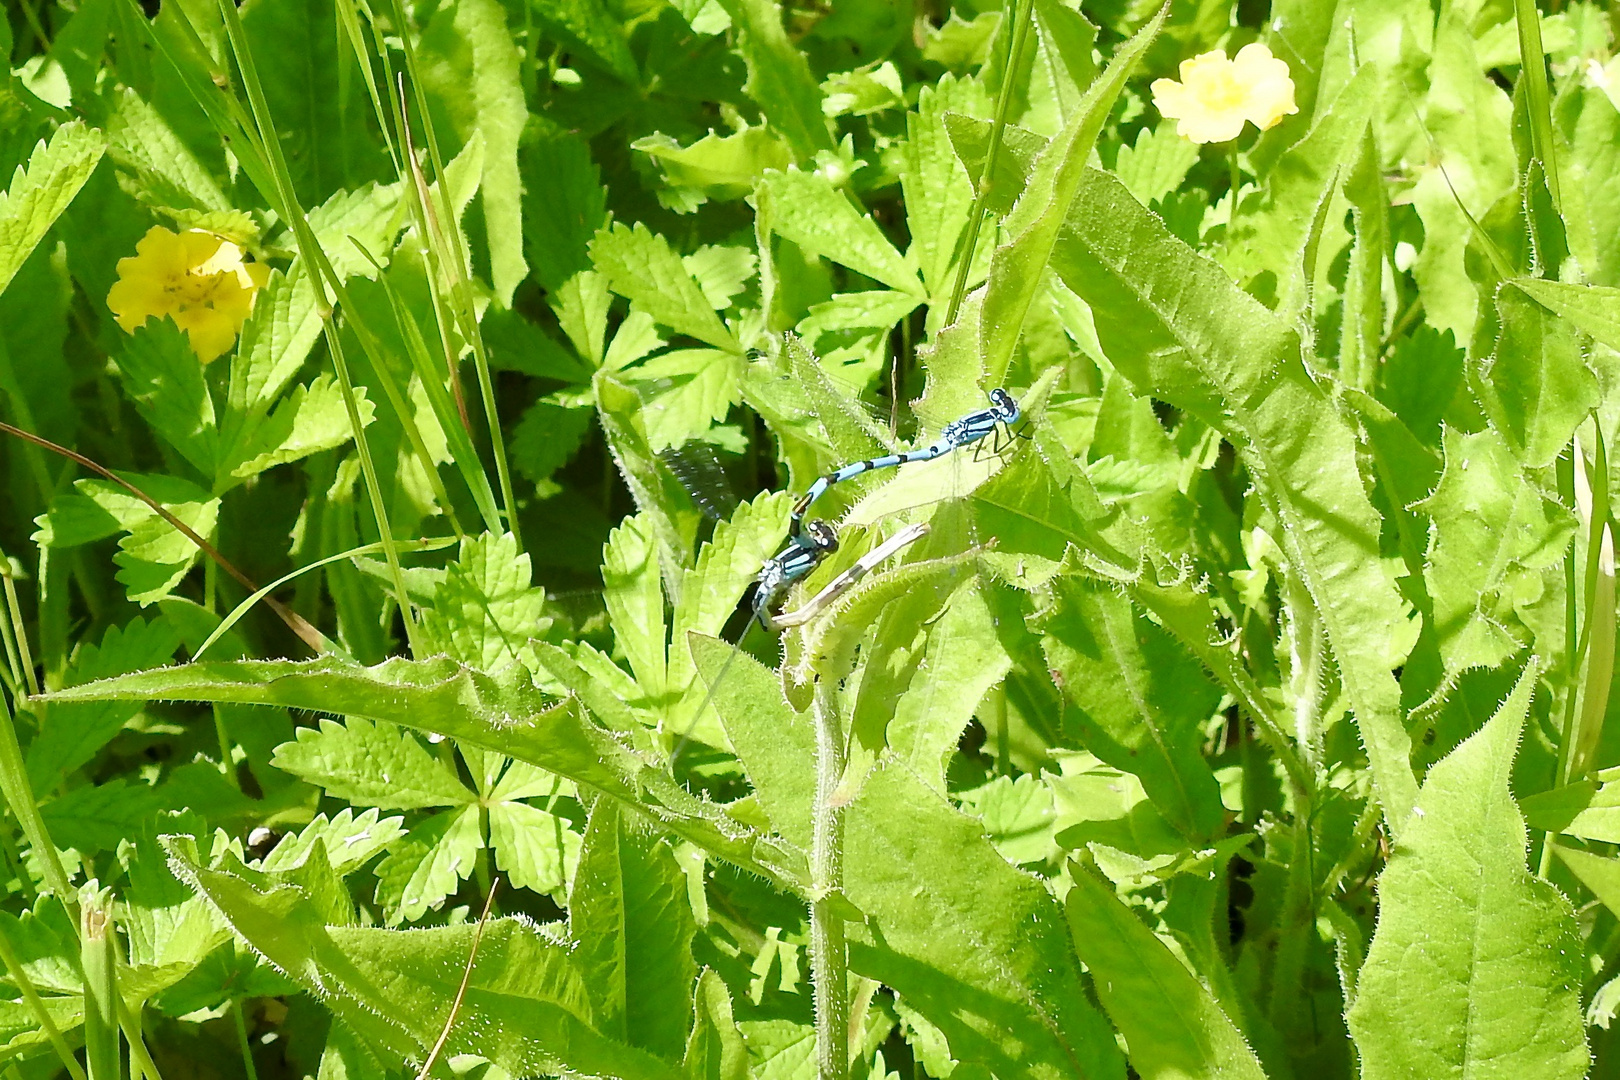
{"x": 811, "y": 542}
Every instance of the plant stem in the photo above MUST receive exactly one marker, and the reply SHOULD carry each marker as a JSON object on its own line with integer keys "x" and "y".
{"x": 1533, "y": 70}
{"x": 828, "y": 962}
{"x": 25, "y": 986}
{"x": 19, "y": 795}
{"x": 1015, "y": 52}
{"x": 242, "y": 1040}
{"x": 100, "y": 989}
{"x": 1237, "y": 191}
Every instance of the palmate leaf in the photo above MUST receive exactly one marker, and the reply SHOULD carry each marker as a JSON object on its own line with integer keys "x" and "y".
{"x": 395, "y": 989}
{"x": 640, "y": 264}
{"x": 486, "y": 609}
{"x": 1475, "y": 969}
{"x": 1176, "y": 326}
{"x": 428, "y": 865}
{"x": 807, "y": 209}
{"x": 510, "y": 718}
{"x": 40, "y": 192}
{"x": 312, "y": 419}
{"x": 370, "y": 764}
{"x": 162, "y": 376}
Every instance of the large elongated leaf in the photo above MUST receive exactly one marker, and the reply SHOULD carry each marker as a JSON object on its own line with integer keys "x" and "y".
{"x": 1176, "y": 326}
{"x": 442, "y": 696}
{"x": 40, "y": 192}
{"x": 1019, "y": 265}
{"x": 1492, "y": 534}
{"x": 633, "y": 928}
{"x": 1538, "y": 387}
{"x": 475, "y": 52}
{"x": 1184, "y": 1034}
{"x": 779, "y": 79}
{"x": 1144, "y": 700}
{"x": 975, "y": 945}
{"x": 396, "y": 988}
{"x": 1475, "y": 970}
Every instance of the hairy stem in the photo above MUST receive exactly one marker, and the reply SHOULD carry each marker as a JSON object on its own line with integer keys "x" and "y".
{"x": 828, "y": 962}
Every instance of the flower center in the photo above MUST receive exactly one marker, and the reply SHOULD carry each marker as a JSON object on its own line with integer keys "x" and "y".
{"x": 1219, "y": 90}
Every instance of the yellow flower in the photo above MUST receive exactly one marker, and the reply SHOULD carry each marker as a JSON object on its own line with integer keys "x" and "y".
{"x": 1216, "y": 95}
{"x": 196, "y": 278}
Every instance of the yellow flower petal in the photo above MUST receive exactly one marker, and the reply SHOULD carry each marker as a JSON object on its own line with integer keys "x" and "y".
{"x": 1216, "y": 96}
{"x": 198, "y": 278}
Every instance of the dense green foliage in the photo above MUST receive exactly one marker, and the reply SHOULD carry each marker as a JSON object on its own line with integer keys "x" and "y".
{"x": 1243, "y": 713}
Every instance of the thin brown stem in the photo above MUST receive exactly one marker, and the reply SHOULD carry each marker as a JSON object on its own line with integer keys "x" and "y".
{"x": 295, "y": 622}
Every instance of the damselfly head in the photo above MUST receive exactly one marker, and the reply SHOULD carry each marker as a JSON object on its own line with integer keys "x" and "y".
{"x": 822, "y": 536}
{"x": 1006, "y": 408}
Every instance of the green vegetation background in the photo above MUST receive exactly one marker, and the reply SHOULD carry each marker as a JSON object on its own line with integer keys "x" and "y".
{"x": 1247, "y": 718}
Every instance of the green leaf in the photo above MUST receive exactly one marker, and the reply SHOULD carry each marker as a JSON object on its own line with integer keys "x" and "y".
{"x": 808, "y": 210}
{"x": 1019, "y": 265}
{"x": 371, "y": 765}
{"x": 640, "y": 264}
{"x": 1599, "y": 873}
{"x": 40, "y": 192}
{"x": 634, "y": 597}
{"x": 510, "y": 718}
{"x": 779, "y": 79}
{"x": 1538, "y": 388}
{"x": 595, "y": 26}
{"x": 965, "y": 659}
{"x": 161, "y": 374}
{"x": 428, "y": 864}
{"x": 715, "y": 1049}
{"x": 1158, "y": 162}
{"x": 1492, "y": 535}
{"x": 558, "y": 228}
{"x": 1282, "y": 235}
{"x": 633, "y": 928}
{"x": 947, "y": 914}
{"x": 478, "y": 77}
{"x": 1175, "y": 325}
{"x": 486, "y": 609}
{"x": 76, "y": 732}
{"x": 1143, "y": 701}
{"x": 153, "y": 556}
{"x": 158, "y": 168}
{"x": 350, "y": 840}
{"x": 1469, "y": 119}
{"x": 1594, "y": 309}
{"x": 1185, "y": 1033}
{"x": 313, "y": 419}
{"x": 774, "y": 742}
{"x": 937, "y": 190}
{"x": 311, "y": 85}
{"x": 396, "y": 989}
{"x": 717, "y": 166}
{"x": 534, "y": 849}
{"x": 1476, "y": 966}
{"x": 726, "y": 566}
